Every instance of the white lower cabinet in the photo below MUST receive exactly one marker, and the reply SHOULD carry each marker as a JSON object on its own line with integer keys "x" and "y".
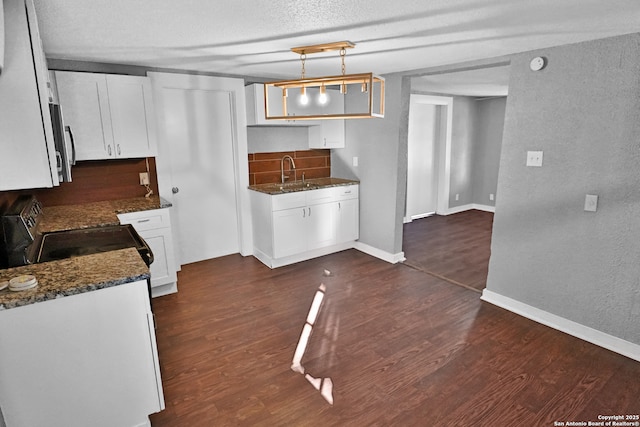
{"x": 297, "y": 226}
{"x": 348, "y": 214}
{"x": 82, "y": 360}
{"x": 154, "y": 227}
{"x": 303, "y": 228}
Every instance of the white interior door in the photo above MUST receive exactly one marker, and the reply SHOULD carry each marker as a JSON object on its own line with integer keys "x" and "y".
{"x": 422, "y": 168}
{"x": 197, "y": 162}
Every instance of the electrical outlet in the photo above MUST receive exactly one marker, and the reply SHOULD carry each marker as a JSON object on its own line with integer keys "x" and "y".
{"x": 534, "y": 158}
{"x": 355, "y": 161}
{"x": 457, "y": 196}
{"x": 144, "y": 178}
{"x": 591, "y": 203}
{"x": 492, "y": 196}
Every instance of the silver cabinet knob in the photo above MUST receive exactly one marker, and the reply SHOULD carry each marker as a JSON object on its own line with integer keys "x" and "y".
{"x": 175, "y": 190}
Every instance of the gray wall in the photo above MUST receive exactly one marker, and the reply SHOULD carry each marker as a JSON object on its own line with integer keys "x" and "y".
{"x": 487, "y": 145}
{"x": 583, "y": 111}
{"x": 462, "y": 145}
{"x": 381, "y": 148}
{"x": 476, "y": 141}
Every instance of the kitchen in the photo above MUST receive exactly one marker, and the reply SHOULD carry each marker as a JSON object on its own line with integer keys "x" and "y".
{"x": 374, "y": 142}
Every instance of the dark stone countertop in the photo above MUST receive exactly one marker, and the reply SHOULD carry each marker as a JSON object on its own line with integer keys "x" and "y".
{"x": 309, "y": 184}
{"x": 84, "y": 273}
{"x": 74, "y": 276}
{"x": 96, "y": 214}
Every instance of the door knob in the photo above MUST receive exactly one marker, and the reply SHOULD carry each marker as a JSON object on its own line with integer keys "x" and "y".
{"x": 175, "y": 190}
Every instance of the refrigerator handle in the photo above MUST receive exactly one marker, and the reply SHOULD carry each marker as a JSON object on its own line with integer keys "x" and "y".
{"x": 73, "y": 145}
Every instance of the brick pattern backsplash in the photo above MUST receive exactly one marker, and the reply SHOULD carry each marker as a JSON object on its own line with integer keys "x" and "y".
{"x": 264, "y": 168}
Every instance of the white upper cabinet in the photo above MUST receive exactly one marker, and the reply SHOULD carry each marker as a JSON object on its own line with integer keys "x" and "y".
{"x": 255, "y": 107}
{"x": 111, "y": 116}
{"x": 27, "y": 158}
{"x": 328, "y": 133}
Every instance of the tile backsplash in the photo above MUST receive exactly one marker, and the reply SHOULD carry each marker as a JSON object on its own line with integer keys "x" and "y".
{"x": 264, "y": 168}
{"x": 93, "y": 181}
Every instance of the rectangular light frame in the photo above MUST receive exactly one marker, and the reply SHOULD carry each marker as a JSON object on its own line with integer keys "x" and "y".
{"x": 370, "y": 79}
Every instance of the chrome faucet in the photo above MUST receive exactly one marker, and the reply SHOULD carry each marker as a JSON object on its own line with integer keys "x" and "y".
{"x": 293, "y": 166}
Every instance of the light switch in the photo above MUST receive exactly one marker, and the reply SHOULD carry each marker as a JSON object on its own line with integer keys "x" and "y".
{"x": 591, "y": 203}
{"x": 534, "y": 158}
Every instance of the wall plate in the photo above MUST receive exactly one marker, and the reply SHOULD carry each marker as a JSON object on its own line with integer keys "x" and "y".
{"x": 538, "y": 63}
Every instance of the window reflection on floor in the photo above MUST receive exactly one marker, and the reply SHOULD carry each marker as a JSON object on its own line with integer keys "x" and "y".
{"x": 323, "y": 385}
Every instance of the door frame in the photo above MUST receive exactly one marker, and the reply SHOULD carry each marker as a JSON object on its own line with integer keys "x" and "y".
{"x": 443, "y": 150}
{"x": 236, "y": 89}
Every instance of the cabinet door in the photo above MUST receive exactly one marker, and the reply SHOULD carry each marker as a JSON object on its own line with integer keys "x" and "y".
{"x": 255, "y": 107}
{"x": 132, "y": 116}
{"x": 85, "y": 105}
{"x": 162, "y": 269}
{"x": 27, "y": 157}
{"x": 348, "y": 220}
{"x": 328, "y": 133}
{"x": 321, "y": 226}
{"x": 100, "y": 352}
{"x": 289, "y": 232}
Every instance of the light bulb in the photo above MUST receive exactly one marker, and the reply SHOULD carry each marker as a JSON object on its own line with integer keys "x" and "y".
{"x": 304, "y": 99}
{"x": 323, "y": 98}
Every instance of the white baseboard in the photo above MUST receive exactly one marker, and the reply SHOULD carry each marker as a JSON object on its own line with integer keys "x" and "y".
{"x": 379, "y": 253}
{"x": 485, "y": 208}
{"x": 570, "y": 327}
{"x": 304, "y": 256}
{"x": 468, "y": 207}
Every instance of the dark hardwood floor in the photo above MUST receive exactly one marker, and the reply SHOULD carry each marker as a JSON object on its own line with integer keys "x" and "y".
{"x": 402, "y": 348}
{"x": 453, "y": 247}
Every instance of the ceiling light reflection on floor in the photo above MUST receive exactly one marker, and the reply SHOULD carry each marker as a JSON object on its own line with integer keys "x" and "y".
{"x": 324, "y": 385}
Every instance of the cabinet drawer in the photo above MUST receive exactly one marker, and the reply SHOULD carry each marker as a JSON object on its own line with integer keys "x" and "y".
{"x": 146, "y": 220}
{"x": 346, "y": 192}
{"x": 323, "y": 195}
{"x": 288, "y": 201}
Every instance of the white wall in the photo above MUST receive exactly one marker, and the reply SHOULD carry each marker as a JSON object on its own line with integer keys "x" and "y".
{"x": 268, "y": 139}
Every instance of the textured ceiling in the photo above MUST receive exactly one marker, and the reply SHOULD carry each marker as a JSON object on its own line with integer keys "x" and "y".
{"x": 254, "y": 37}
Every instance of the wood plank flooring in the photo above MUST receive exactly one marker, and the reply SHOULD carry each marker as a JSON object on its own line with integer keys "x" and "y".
{"x": 402, "y": 348}
{"x": 453, "y": 247}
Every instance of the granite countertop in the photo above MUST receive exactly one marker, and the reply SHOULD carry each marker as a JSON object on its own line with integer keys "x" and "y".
{"x": 309, "y": 184}
{"x": 96, "y": 214}
{"x": 74, "y": 276}
{"x": 84, "y": 273}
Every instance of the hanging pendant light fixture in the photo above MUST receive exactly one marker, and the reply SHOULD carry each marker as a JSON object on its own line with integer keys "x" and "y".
{"x": 367, "y": 102}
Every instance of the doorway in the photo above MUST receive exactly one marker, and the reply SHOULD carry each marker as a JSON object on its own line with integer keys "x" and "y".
{"x": 422, "y": 164}
{"x": 428, "y": 156}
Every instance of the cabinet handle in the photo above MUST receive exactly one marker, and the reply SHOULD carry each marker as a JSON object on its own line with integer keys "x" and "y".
{"x": 119, "y": 152}
{"x": 304, "y": 213}
{"x": 144, "y": 220}
{"x": 339, "y": 206}
{"x": 175, "y": 190}
{"x": 109, "y": 149}
{"x": 73, "y": 144}
{"x": 309, "y": 210}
